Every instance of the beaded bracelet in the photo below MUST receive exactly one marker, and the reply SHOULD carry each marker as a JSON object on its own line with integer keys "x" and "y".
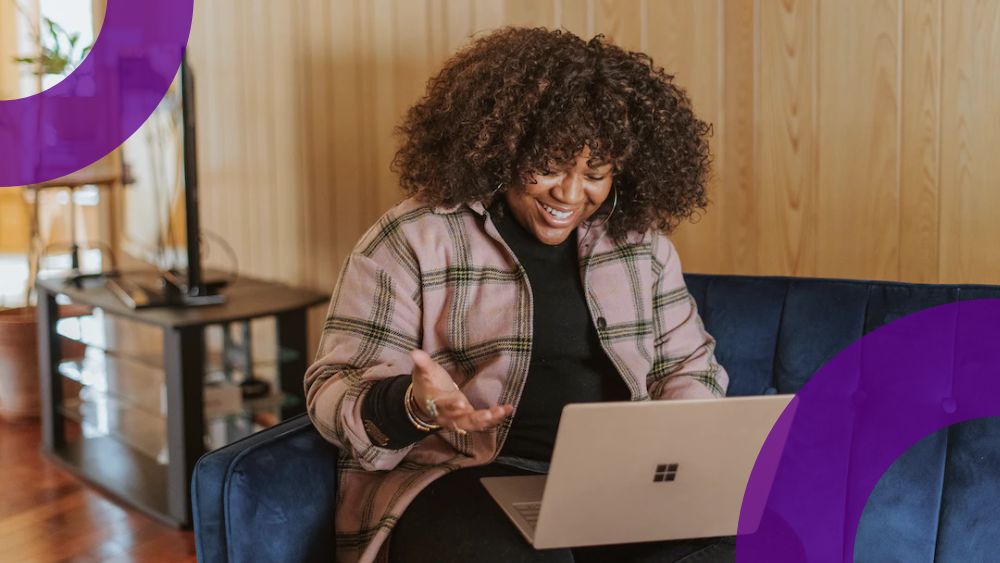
{"x": 412, "y": 415}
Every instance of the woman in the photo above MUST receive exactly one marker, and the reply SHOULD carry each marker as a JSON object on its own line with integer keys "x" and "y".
{"x": 527, "y": 270}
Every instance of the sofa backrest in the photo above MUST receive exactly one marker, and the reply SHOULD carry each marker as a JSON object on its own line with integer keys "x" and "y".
{"x": 940, "y": 501}
{"x": 774, "y": 333}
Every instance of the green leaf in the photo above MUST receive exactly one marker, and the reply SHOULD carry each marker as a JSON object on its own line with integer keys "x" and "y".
{"x": 52, "y": 31}
{"x": 85, "y": 51}
{"x": 73, "y": 39}
{"x": 53, "y": 63}
{"x": 58, "y": 65}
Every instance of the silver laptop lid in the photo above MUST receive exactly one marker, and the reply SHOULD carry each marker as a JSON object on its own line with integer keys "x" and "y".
{"x": 628, "y": 472}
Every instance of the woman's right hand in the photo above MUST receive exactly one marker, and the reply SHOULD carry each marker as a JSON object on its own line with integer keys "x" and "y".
{"x": 431, "y": 381}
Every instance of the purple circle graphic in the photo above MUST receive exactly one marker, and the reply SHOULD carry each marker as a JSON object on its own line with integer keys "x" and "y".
{"x": 95, "y": 109}
{"x": 854, "y": 417}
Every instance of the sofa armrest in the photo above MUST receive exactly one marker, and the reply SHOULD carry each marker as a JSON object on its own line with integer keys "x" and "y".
{"x": 267, "y": 498}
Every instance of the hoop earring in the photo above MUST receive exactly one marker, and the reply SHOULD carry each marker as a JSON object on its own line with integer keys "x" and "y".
{"x": 614, "y": 204}
{"x": 500, "y": 185}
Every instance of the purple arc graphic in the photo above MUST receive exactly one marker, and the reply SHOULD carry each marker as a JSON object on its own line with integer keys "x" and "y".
{"x": 855, "y": 417}
{"x": 84, "y": 118}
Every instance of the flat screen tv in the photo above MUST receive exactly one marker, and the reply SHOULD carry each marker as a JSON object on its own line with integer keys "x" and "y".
{"x": 159, "y": 217}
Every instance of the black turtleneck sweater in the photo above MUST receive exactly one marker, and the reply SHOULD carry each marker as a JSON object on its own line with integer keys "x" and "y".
{"x": 567, "y": 364}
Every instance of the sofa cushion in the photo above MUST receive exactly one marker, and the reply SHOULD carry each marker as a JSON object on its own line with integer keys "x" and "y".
{"x": 269, "y": 498}
{"x": 746, "y": 327}
{"x": 970, "y": 499}
{"x": 900, "y": 520}
{"x": 281, "y": 496}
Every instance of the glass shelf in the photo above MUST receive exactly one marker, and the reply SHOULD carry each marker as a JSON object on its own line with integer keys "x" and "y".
{"x": 100, "y": 415}
{"x": 126, "y": 380}
{"x": 142, "y": 387}
{"x": 144, "y": 343}
{"x": 126, "y": 339}
{"x": 126, "y": 400}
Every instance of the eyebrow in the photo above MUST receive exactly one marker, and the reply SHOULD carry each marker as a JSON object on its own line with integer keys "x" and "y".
{"x": 568, "y": 163}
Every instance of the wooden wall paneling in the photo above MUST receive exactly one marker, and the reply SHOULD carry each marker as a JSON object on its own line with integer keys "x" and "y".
{"x": 487, "y": 15}
{"x": 620, "y": 21}
{"x": 366, "y": 189}
{"x": 737, "y": 204}
{"x": 240, "y": 192}
{"x": 970, "y": 169}
{"x": 858, "y": 206}
{"x": 458, "y": 24}
{"x": 786, "y": 137}
{"x": 258, "y": 76}
{"x": 386, "y": 114}
{"x": 222, "y": 76}
{"x": 203, "y": 52}
{"x": 14, "y": 211}
{"x": 314, "y": 102}
{"x": 326, "y": 70}
{"x": 685, "y": 38}
{"x": 851, "y": 139}
{"x": 670, "y": 37}
{"x": 531, "y": 13}
{"x": 8, "y": 51}
{"x": 437, "y": 26}
{"x": 15, "y": 215}
{"x": 342, "y": 202}
{"x": 412, "y": 63}
{"x": 286, "y": 83}
{"x": 919, "y": 185}
{"x": 703, "y": 82}
{"x": 577, "y": 16}
{"x": 99, "y": 9}
{"x": 302, "y": 92}
{"x": 304, "y": 119}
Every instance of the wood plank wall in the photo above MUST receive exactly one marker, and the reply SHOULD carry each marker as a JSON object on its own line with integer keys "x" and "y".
{"x": 13, "y": 211}
{"x": 853, "y": 138}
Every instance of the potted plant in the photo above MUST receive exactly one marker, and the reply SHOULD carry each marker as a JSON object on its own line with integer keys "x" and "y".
{"x": 20, "y": 397}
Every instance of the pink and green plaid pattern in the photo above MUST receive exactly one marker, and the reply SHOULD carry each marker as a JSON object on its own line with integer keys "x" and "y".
{"x": 444, "y": 281}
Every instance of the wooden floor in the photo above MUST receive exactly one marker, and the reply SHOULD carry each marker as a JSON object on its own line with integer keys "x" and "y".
{"x": 48, "y": 516}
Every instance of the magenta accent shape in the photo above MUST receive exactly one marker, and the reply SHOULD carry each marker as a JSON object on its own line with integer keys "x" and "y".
{"x": 855, "y": 416}
{"x": 83, "y": 118}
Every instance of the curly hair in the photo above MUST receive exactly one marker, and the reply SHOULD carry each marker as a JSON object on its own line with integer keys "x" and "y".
{"x": 517, "y": 100}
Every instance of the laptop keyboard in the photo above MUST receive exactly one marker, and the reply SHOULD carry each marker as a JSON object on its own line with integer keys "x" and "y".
{"x": 529, "y": 510}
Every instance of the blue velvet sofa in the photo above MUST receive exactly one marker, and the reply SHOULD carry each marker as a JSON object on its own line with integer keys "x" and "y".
{"x": 270, "y": 497}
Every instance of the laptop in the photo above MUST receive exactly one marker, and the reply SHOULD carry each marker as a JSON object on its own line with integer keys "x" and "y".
{"x": 627, "y": 472}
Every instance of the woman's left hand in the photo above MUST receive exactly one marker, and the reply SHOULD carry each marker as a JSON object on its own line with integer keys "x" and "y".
{"x": 450, "y": 408}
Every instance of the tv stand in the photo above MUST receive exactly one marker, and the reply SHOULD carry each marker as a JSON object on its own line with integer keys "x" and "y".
{"x": 142, "y": 424}
{"x": 169, "y": 292}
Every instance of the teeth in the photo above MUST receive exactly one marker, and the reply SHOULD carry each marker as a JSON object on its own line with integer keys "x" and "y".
{"x": 557, "y": 214}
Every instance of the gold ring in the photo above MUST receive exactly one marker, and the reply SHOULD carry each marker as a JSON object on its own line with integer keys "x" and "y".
{"x": 459, "y": 431}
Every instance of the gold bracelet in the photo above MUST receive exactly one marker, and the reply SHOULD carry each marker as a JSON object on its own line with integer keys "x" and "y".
{"x": 412, "y": 415}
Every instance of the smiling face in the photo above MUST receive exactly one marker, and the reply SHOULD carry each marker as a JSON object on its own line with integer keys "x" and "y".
{"x": 551, "y": 205}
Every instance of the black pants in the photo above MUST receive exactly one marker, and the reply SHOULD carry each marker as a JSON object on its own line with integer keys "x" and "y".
{"x": 456, "y": 520}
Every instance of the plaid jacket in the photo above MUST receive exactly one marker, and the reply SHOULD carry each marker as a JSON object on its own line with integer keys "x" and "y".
{"x": 443, "y": 280}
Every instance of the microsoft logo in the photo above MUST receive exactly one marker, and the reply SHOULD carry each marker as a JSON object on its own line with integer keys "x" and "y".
{"x": 665, "y": 473}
